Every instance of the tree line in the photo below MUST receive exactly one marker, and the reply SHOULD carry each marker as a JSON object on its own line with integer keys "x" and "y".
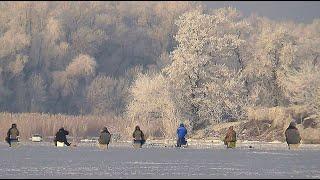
{"x": 154, "y": 63}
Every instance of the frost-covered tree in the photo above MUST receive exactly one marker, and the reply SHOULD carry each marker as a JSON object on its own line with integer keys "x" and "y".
{"x": 105, "y": 95}
{"x": 273, "y": 56}
{"x": 81, "y": 66}
{"x": 151, "y": 105}
{"x": 226, "y": 99}
{"x": 204, "y": 43}
{"x": 301, "y": 84}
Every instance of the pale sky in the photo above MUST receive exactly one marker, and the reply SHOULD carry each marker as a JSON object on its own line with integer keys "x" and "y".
{"x": 300, "y": 11}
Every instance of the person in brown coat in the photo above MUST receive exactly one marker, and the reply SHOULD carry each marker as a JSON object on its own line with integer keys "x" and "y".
{"x": 230, "y": 138}
{"x": 104, "y": 138}
{"x": 138, "y": 136}
{"x": 12, "y": 134}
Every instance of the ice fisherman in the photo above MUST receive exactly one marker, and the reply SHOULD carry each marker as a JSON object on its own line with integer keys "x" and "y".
{"x": 293, "y": 137}
{"x": 181, "y": 132}
{"x": 230, "y": 138}
{"x": 12, "y": 134}
{"x": 61, "y": 137}
{"x": 104, "y": 138}
{"x": 138, "y": 136}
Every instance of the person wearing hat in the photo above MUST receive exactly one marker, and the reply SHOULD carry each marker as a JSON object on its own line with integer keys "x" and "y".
{"x": 138, "y": 137}
{"x": 12, "y": 134}
{"x": 293, "y": 137}
{"x": 104, "y": 138}
{"x": 61, "y": 137}
{"x": 230, "y": 138}
{"x": 181, "y": 132}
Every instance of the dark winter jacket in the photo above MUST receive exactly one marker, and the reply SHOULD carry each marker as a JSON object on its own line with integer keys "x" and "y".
{"x": 181, "y": 131}
{"x": 292, "y": 134}
{"x": 138, "y": 134}
{"x": 13, "y": 132}
{"x": 231, "y": 135}
{"x": 61, "y": 135}
{"x": 105, "y": 136}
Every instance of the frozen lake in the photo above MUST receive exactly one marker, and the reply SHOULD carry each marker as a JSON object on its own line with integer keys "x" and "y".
{"x": 87, "y": 161}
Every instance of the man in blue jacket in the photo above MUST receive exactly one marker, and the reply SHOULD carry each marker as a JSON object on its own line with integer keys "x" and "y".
{"x": 182, "y": 132}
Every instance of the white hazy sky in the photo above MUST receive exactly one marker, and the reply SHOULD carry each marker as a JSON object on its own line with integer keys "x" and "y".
{"x": 300, "y": 11}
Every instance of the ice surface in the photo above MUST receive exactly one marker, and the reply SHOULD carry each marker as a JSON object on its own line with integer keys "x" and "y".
{"x": 43, "y": 160}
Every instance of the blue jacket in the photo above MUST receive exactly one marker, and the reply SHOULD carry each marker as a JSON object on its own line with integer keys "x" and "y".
{"x": 181, "y": 131}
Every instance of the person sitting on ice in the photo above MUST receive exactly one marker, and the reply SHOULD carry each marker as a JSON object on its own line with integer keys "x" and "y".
{"x": 293, "y": 137}
{"x": 61, "y": 137}
{"x": 104, "y": 138}
{"x": 181, "y": 132}
{"x": 230, "y": 138}
{"x": 138, "y": 136}
{"x": 12, "y": 134}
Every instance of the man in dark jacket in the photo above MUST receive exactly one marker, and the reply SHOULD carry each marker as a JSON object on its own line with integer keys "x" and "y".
{"x": 104, "y": 138}
{"x": 293, "y": 137}
{"x": 61, "y": 137}
{"x": 231, "y": 138}
{"x": 12, "y": 134}
{"x": 138, "y": 136}
{"x": 181, "y": 132}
